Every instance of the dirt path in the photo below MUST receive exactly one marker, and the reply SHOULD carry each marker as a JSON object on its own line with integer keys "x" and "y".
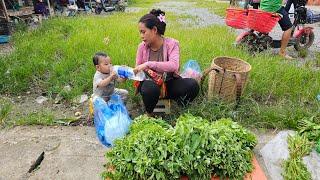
{"x": 69, "y": 153}
{"x": 194, "y": 17}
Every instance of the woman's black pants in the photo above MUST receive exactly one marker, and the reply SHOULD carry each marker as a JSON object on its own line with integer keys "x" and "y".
{"x": 182, "y": 90}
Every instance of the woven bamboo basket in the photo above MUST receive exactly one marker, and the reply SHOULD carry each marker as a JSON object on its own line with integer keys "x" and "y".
{"x": 227, "y": 77}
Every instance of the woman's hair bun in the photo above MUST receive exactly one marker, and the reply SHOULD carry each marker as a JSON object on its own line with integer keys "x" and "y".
{"x": 157, "y": 12}
{"x": 155, "y": 18}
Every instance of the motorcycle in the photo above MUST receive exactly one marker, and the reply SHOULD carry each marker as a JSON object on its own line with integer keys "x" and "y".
{"x": 109, "y": 5}
{"x": 301, "y": 37}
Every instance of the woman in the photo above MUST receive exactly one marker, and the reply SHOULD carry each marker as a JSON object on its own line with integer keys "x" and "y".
{"x": 161, "y": 55}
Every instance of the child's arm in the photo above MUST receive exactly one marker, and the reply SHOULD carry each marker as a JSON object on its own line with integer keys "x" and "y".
{"x": 107, "y": 80}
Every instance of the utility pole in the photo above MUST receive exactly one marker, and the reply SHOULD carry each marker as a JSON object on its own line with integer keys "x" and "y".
{"x": 48, "y": 1}
{"x": 5, "y": 10}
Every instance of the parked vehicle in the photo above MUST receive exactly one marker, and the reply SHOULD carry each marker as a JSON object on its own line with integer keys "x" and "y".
{"x": 258, "y": 39}
{"x": 110, "y": 5}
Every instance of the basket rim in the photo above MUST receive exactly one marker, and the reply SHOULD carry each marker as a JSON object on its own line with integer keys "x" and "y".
{"x": 249, "y": 69}
{"x": 264, "y": 12}
{"x": 237, "y": 8}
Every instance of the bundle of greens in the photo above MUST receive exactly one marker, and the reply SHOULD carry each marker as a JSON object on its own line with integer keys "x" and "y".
{"x": 310, "y": 129}
{"x": 295, "y": 169}
{"x": 299, "y": 146}
{"x": 194, "y": 147}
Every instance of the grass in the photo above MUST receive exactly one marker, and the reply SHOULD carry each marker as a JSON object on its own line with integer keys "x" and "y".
{"x": 317, "y": 61}
{"x": 5, "y": 109}
{"x": 40, "y": 118}
{"x": 216, "y": 7}
{"x": 144, "y": 4}
{"x": 35, "y": 118}
{"x": 59, "y": 52}
{"x": 11, "y": 116}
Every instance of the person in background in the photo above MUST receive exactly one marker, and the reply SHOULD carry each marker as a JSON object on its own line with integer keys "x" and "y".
{"x": 285, "y": 23}
{"x": 41, "y": 8}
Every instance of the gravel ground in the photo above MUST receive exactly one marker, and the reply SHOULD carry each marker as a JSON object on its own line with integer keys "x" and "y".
{"x": 6, "y": 49}
{"x": 196, "y": 17}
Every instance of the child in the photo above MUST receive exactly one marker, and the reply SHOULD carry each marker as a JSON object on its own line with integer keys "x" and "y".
{"x": 104, "y": 78}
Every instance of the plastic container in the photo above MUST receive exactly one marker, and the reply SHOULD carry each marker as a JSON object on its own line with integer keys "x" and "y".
{"x": 127, "y": 72}
{"x": 4, "y": 39}
{"x": 242, "y": 4}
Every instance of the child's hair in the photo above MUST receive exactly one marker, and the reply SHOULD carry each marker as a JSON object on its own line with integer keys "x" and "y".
{"x": 96, "y": 57}
{"x": 153, "y": 20}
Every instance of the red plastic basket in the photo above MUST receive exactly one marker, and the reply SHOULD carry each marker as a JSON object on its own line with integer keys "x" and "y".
{"x": 262, "y": 21}
{"x": 237, "y": 18}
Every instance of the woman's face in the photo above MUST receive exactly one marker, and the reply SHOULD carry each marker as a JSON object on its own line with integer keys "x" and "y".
{"x": 147, "y": 35}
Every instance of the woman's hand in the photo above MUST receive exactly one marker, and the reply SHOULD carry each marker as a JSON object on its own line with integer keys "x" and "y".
{"x": 140, "y": 67}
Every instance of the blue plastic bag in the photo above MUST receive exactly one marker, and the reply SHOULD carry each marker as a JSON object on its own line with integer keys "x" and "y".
{"x": 111, "y": 119}
{"x": 191, "y": 70}
{"x": 312, "y": 17}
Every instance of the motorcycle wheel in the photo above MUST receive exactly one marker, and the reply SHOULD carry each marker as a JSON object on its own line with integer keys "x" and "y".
{"x": 98, "y": 10}
{"x": 304, "y": 41}
{"x": 122, "y": 8}
{"x": 265, "y": 43}
{"x": 248, "y": 42}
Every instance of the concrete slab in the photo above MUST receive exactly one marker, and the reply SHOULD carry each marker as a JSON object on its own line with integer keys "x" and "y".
{"x": 275, "y": 152}
{"x": 70, "y": 153}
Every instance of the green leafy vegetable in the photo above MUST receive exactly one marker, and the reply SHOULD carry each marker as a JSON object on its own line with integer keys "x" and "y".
{"x": 310, "y": 129}
{"x": 194, "y": 147}
{"x": 318, "y": 146}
